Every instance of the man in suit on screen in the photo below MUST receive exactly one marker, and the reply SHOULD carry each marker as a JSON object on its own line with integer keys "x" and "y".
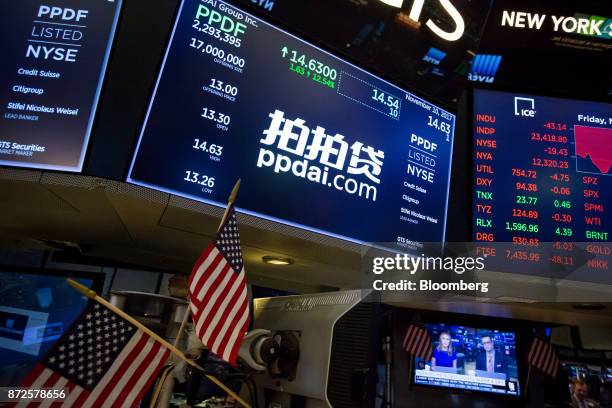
{"x": 489, "y": 359}
{"x": 580, "y": 395}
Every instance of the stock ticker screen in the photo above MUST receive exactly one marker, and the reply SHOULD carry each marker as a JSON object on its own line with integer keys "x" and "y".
{"x": 543, "y": 180}
{"x": 52, "y": 68}
{"x": 318, "y": 143}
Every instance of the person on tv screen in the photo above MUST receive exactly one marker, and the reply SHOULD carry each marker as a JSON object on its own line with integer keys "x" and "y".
{"x": 444, "y": 355}
{"x": 490, "y": 359}
{"x": 580, "y": 395}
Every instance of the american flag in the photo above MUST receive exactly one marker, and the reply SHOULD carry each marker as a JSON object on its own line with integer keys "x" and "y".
{"x": 218, "y": 293}
{"x": 417, "y": 342}
{"x": 543, "y": 357}
{"x": 101, "y": 361}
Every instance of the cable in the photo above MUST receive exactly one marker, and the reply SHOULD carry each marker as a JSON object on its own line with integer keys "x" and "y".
{"x": 255, "y": 402}
{"x": 250, "y": 384}
{"x": 251, "y": 395}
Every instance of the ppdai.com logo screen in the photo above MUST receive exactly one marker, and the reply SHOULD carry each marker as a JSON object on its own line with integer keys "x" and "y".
{"x": 321, "y": 158}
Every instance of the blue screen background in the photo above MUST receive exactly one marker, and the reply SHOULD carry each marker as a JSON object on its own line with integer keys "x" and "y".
{"x": 165, "y": 152}
{"x": 41, "y": 293}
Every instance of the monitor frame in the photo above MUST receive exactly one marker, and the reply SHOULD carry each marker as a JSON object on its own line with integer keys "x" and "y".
{"x": 90, "y": 132}
{"x": 471, "y": 89}
{"x": 402, "y": 318}
{"x": 270, "y": 222}
{"x": 97, "y": 278}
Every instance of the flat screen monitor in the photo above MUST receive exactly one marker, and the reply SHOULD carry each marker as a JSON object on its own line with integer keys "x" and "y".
{"x": 575, "y": 32}
{"x": 406, "y": 40}
{"x": 54, "y": 57}
{"x": 36, "y": 307}
{"x": 576, "y": 371}
{"x": 472, "y": 359}
{"x": 319, "y": 143}
{"x": 542, "y": 180}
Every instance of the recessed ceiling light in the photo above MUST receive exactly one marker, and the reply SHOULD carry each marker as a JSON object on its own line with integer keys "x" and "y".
{"x": 276, "y": 260}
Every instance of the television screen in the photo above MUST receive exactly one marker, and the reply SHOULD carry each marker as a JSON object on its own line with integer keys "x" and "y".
{"x": 54, "y": 57}
{"x": 35, "y": 309}
{"x": 557, "y": 32}
{"x": 397, "y": 38}
{"x": 576, "y": 371}
{"x": 318, "y": 143}
{"x": 542, "y": 181}
{"x": 472, "y": 359}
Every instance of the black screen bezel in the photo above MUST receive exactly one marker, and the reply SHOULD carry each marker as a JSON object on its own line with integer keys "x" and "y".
{"x": 471, "y": 90}
{"x": 402, "y": 318}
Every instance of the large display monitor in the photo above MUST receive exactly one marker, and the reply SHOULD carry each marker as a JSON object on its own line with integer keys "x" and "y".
{"x": 543, "y": 179}
{"x": 36, "y": 307}
{"x": 526, "y": 37}
{"x": 426, "y": 45}
{"x": 51, "y": 73}
{"x": 319, "y": 143}
{"x": 468, "y": 358}
{"x": 576, "y": 371}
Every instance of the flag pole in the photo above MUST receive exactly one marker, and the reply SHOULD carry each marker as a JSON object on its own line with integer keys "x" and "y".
{"x": 410, "y": 364}
{"x": 160, "y": 384}
{"x": 230, "y": 202}
{"x": 527, "y": 382}
{"x": 179, "y": 336}
{"x": 91, "y": 294}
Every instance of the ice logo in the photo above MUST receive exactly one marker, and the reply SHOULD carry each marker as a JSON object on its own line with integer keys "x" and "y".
{"x": 524, "y": 107}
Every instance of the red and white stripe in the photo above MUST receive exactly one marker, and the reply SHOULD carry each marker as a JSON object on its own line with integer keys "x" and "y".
{"x": 543, "y": 357}
{"x": 219, "y": 303}
{"x": 123, "y": 385}
{"x": 417, "y": 342}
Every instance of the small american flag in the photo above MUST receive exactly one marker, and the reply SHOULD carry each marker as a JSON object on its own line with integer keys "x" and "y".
{"x": 101, "y": 361}
{"x": 218, "y": 293}
{"x": 543, "y": 357}
{"x": 417, "y": 342}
